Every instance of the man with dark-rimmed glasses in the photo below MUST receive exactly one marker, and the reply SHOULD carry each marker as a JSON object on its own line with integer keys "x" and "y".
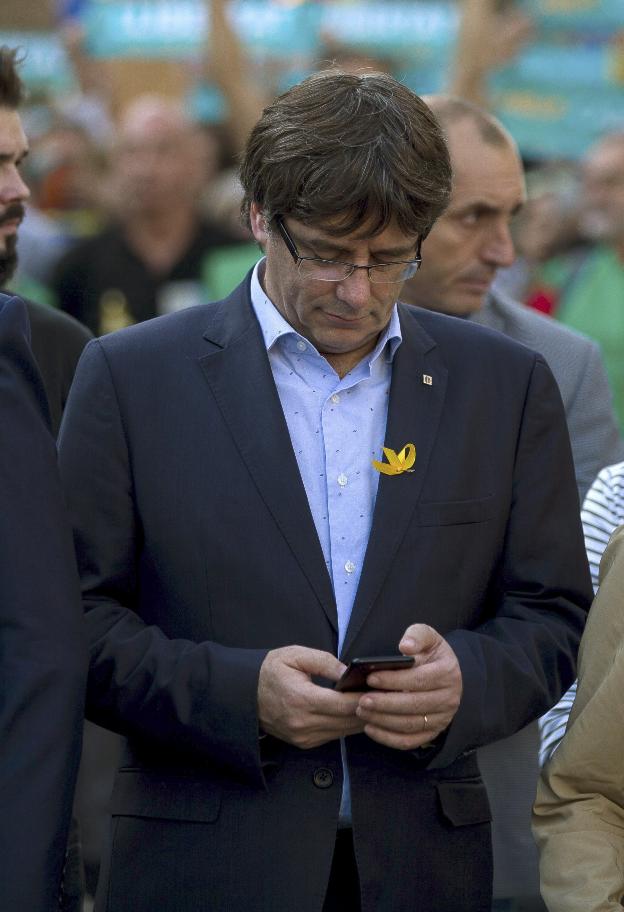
{"x": 307, "y": 472}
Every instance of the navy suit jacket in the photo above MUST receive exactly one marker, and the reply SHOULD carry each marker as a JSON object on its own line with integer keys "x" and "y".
{"x": 198, "y": 554}
{"x": 42, "y": 648}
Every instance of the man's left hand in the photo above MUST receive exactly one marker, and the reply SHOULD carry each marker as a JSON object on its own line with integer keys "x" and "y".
{"x": 409, "y": 708}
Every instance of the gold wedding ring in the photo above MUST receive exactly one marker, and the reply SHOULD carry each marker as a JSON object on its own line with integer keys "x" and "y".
{"x": 425, "y": 723}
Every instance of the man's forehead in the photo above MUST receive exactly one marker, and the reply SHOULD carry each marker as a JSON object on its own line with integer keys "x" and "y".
{"x": 508, "y": 195}
{"x": 489, "y": 175}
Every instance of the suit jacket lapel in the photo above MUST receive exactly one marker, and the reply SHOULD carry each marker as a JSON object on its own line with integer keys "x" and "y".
{"x": 414, "y": 413}
{"x": 239, "y": 375}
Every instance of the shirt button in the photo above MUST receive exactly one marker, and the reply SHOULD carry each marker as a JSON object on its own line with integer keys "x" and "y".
{"x": 342, "y": 479}
{"x": 323, "y": 778}
{"x": 349, "y": 566}
{"x": 301, "y": 345}
{"x": 335, "y": 398}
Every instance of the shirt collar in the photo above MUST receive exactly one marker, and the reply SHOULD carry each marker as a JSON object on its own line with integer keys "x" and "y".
{"x": 277, "y": 330}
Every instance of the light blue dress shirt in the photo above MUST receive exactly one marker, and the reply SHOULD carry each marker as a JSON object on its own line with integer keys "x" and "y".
{"x": 337, "y": 427}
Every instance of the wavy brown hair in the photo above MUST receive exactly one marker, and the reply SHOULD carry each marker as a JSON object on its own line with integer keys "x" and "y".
{"x": 11, "y": 86}
{"x": 348, "y": 152}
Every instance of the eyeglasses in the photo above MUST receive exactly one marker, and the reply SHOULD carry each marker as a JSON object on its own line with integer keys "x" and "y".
{"x": 334, "y": 271}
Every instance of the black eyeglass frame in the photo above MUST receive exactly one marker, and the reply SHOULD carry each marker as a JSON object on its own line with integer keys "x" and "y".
{"x": 292, "y": 249}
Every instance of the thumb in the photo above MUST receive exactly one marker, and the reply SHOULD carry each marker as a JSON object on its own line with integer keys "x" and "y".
{"x": 317, "y": 662}
{"x": 419, "y": 640}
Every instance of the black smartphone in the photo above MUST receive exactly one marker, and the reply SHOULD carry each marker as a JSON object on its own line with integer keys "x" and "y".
{"x": 354, "y": 678}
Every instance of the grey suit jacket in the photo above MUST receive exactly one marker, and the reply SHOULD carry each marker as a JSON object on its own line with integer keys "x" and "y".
{"x": 577, "y": 365}
{"x": 510, "y": 767}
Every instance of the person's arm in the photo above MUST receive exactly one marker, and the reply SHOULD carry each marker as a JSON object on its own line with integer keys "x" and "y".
{"x": 229, "y": 67}
{"x": 579, "y": 812}
{"x": 487, "y": 39}
{"x": 478, "y": 686}
{"x": 89, "y": 73}
{"x": 602, "y": 513}
{"x": 42, "y": 645}
{"x": 517, "y": 664}
{"x": 552, "y": 725}
{"x": 202, "y": 700}
{"x": 200, "y": 697}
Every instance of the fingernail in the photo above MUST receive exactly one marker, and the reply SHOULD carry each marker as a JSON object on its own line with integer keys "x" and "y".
{"x": 366, "y": 703}
{"x": 408, "y": 643}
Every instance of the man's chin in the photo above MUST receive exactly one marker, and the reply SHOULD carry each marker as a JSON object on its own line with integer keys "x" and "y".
{"x": 468, "y": 298}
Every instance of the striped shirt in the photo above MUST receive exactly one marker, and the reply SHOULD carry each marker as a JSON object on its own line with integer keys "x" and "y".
{"x": 602, "y": 513}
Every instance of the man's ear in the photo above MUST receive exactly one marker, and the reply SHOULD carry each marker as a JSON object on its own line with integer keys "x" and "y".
{"x": 259, "y": 224}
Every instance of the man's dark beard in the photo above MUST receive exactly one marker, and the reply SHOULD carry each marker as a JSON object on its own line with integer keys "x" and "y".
{"x": 8, "y": 260}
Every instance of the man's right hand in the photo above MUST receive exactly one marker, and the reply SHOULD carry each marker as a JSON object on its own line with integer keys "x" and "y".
{"x": 291, "y": 707}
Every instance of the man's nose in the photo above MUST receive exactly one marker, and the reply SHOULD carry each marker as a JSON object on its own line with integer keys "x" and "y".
{"x": 498, "y": 248}
{"x": 13, "y": 189}
{"x": 355, "y": 289}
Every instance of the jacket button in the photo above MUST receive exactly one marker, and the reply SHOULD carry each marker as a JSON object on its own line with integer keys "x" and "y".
{"x": 323, "y": 778}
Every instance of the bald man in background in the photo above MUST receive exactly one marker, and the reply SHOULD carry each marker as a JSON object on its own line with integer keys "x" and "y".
{"x": 461, "y": 256}
{"x": 149, "y": 259}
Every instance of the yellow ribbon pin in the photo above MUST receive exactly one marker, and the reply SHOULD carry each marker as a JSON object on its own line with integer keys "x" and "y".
{"x": 397, "y": 462}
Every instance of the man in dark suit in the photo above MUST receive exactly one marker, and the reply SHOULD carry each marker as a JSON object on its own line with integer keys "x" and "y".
{"x": 42, "y": 655}
{"x": 237, "y": 530}
{"x": 466, "y": 247}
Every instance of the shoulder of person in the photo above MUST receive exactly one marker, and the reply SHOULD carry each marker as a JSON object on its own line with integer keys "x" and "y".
{"x": 185, "y": 331}
{"x": 540, "y": 325}
{"x": 81, "y": 249}
{"x": 51, "y": 322}
{"x": 449, "y": 331}
{"x": 13, "y": 314}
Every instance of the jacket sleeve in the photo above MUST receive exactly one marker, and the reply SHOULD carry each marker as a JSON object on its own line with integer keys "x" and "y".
{"x": 579, "y": 811}
{"x": 42, "y": 647}
{"x": 197, "y": 699}
{"x": 518, "y": 663}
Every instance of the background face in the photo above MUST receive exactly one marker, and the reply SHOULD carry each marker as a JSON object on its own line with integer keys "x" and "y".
{"x": 602, "y": 216}
{"x": 13, "y": 190}
{"x": 158, "y": 163}
{"x": 472, "y": 239}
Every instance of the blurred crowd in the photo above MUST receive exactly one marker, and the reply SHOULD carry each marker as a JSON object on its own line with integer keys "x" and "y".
{"x": 153, "y": 190}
